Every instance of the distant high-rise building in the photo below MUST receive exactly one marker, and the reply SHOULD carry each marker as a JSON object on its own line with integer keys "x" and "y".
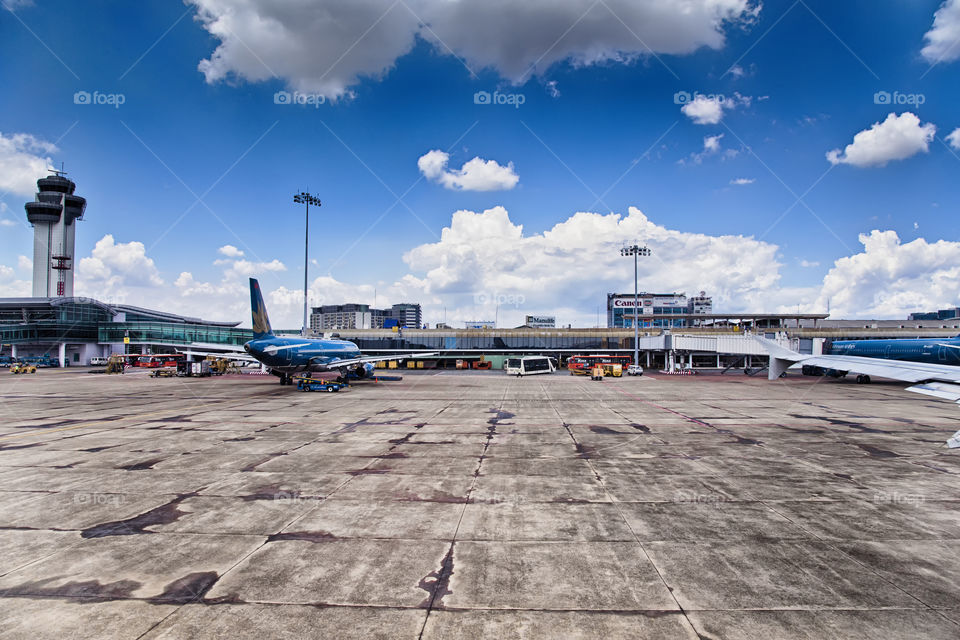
{"x": 408, "y": 315}
{"x": 363, "y": 316}
{"x": 53, "y": 215}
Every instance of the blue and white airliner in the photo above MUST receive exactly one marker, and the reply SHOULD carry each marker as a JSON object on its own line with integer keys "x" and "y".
{"x": 285, "y": 356}
{"x": 930, "y": 364}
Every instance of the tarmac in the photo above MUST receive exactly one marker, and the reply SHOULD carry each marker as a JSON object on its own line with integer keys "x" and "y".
{"x": 472, "y": 505}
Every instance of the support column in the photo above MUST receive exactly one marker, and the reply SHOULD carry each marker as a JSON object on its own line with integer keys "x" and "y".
{"x": 63, "y": 354}
{"x": 13, "y": 351}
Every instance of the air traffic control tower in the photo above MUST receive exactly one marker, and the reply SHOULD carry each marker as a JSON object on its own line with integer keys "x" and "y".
{"x": 53, "y": 216}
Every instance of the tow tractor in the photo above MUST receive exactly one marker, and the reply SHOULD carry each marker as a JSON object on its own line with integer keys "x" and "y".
{"x": 23, "y": 367}
{"x": 307, "y": 383}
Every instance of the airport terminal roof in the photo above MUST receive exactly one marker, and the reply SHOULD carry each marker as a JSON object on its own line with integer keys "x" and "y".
{"x": 113, "y": 309}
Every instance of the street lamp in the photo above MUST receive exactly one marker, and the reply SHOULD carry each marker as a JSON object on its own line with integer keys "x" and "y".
{"x": 636, "y": 251}
{"x": 305, "y": 198}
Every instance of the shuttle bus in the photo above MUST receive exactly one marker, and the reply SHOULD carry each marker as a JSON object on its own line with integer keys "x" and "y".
{"x": 161, "y": 360}
{"x": 529, "y": 365}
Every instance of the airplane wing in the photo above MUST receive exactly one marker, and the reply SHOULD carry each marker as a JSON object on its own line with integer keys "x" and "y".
{"x": 938, "y": 380}
{"x": 336, "y": 364}
{"x": 229, "y": 355}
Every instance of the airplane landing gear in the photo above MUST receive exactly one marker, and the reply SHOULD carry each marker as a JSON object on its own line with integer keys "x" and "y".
{"x": 285, "y": 379}
{"x": 863, "y": 379}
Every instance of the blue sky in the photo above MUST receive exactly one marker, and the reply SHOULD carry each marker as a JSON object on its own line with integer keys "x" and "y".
{"x": 599, "y": 131}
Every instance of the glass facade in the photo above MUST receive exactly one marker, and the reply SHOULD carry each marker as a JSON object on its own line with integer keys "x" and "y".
{"x": 76, "y": 322}
{"x": 172, "y": 333}
{"x": 81, "y": 320}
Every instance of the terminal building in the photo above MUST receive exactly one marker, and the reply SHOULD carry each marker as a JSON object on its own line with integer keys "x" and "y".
{"x": 71, "y": 329}
{"x": 660, "y": 310}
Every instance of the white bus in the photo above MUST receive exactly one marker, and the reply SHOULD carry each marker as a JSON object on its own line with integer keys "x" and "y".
{"x": 528, "y": 365}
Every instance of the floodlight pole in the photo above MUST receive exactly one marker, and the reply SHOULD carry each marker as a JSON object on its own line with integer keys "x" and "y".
{"x": 307, "y": 199}
{"x": 636, "y": 251}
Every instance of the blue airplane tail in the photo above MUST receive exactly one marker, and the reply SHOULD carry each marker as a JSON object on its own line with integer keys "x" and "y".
{"x": 261, "y": 323}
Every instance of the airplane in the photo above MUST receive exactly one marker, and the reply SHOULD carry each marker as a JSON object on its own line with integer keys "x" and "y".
{"x": 932, "y": 350}
{"x": 284, "y": 356}
{"x": 929, "y": 378}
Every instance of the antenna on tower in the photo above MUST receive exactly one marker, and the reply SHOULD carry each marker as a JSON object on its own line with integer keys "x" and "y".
{"x": 59, "y": 173}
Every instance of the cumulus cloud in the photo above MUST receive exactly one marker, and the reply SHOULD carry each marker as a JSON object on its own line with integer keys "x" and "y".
{"x": 943, "y": 39}
{"x": 24, "y": 263}
{"x": 710, "y": 109}
{"x": 124, "y": 273}
{"x": 476, "y": 175}
{"x": 112, "y": 264}
{"x": 12, "y": 286}
{"x": 954, "y": 139}
{"x": 704, "y": 110}
{"x": 891, "y": 279}
{"x": 485, "y": 259}
{"x": 230, "y": 251}
{"x": 328, "y": 47}
{"x": 896, "y": 138}
{"x": 23, "y": 159}
{"x": 742, "y": 181}
{"x": 6, "y": 222}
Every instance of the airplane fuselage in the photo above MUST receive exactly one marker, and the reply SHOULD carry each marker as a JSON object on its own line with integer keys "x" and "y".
{"x": 293, "y": 354}
{"x": 931, "y": 350}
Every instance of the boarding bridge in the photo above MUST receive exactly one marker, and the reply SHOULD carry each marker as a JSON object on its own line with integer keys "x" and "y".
{"x": 680, "y": 348}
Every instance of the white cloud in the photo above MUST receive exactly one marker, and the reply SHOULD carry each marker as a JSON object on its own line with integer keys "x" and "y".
{"x": 112, "y": 266}
{"x": 704, "y": 110}
{"x": 246, "y": 268}
{"x": 484, "y": 257}
{"x": 711, "y": 147}
{"x": 943, "y": 39}
{"x": 476, "y": 175}
{"x": 7, "y": 223}
{"x": 954, "y": 139}
{"x": 24, "y": 263}
{"x": 742, "y": 181}
{"x": 710, "y": 109}
{"x": 230, "y": 251}
{"x": 896, "y": 138}
{"x": 328, "y": 47}
{"x": 807, "y": 264}
{"x": 890, "y": 279}
{"x": 123, "y": 273}
{"x": 12, "y": 5}
{"x": 11, "y": 286}
{"x": 23, "y": 159}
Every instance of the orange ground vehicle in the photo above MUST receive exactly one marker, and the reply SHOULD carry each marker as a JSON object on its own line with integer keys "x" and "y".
{"x": 583, "y": 364}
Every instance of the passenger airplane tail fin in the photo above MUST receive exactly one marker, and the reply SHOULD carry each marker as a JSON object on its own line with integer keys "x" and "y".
{"x": 261, "y": 323}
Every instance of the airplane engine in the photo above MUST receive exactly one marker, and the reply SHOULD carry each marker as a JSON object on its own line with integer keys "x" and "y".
{"x": 365, "y": 370}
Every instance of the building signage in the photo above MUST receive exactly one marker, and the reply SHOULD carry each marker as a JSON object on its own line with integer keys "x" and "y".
{"x": 541, "y": 321}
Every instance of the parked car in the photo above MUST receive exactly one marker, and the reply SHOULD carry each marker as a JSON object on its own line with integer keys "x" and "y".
{"x": 634, "y": 370}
